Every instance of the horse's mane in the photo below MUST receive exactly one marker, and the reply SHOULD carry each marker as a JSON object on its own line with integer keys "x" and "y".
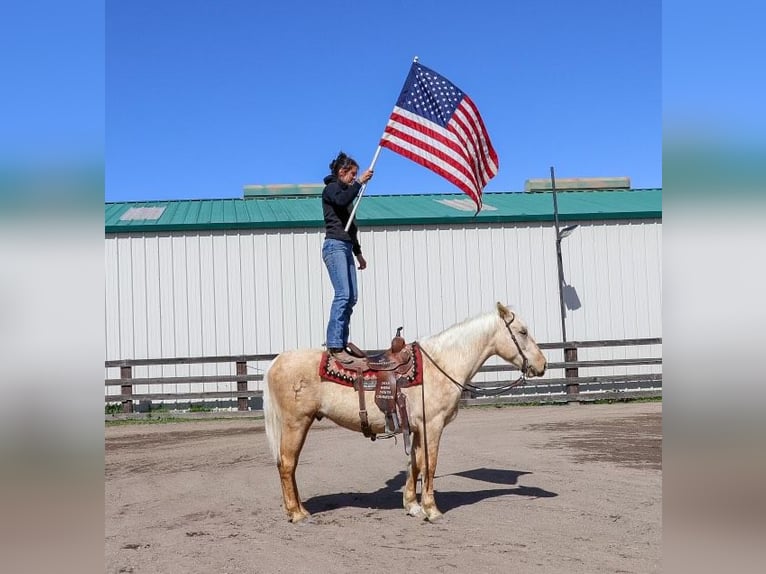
{"x": 462, "y": 332}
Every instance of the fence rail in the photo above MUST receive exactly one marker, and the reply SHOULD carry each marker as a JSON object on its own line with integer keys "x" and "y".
{"x": 571, "y": 380}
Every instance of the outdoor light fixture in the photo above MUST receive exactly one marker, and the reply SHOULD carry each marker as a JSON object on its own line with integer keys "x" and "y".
{"x": 560, "y": 234}
{"x": 570, "y": 352}
{"x": 567, "y": 231}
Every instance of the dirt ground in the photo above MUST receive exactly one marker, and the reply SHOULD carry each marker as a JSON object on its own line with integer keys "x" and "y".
{"x": 555, "y": 489}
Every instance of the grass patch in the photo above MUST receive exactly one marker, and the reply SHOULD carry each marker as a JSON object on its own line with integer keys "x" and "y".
{"x": 199, "y": 408}
{"x": 151, "y": 419}
{"x": 113, "y": 409}
{"x": 613, "y": 400}
{"x": 626, "y": 400}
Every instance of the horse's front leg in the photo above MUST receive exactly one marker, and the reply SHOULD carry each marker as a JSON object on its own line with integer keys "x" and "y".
{"x": 425, "y": 465}
{"x": 410, "y": 487}
{"x": 293, "y": 438}
{"x": 427, "y": 459}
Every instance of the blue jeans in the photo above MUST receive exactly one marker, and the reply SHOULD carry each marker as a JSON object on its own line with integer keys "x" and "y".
{"x": 339, "y": 259}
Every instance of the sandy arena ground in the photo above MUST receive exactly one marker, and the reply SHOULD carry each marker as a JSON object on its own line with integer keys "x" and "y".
{"x": 555, "y": 489}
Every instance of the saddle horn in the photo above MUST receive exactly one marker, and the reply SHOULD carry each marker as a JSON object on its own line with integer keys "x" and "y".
{"x": 398, "y": 342}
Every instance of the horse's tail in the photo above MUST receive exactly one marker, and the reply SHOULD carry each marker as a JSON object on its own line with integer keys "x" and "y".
{"x": 272, "y": 417}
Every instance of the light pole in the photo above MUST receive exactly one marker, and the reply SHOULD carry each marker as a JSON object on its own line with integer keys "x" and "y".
{"x": 570, "y": 353}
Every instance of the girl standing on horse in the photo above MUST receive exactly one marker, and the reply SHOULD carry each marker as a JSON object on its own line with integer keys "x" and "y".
{"x": 340, "y": 246}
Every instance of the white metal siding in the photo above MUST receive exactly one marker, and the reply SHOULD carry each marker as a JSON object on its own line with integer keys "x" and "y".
{"x": 260, "y": 292}
{"x": 616, "y": 270}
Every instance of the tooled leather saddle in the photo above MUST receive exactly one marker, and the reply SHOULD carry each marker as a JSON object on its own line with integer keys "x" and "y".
{"x": 386, "y": 373}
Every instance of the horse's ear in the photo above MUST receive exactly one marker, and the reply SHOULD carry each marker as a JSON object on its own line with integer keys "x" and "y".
{"x": 503, "y": 311}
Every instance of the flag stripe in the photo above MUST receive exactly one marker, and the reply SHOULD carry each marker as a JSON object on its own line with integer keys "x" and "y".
{"x": 429, "y": 155}
{"x": 413, "y": 153}
{"x": 474, "y": 141}
{"x": 434, "y": 139}
{"x": 456, "y": 127}
{"x": 434, "y": 147}
{"x": 427, "y": 127}
{"x": 475, "y": 136}
{"x": 481, "y": 129}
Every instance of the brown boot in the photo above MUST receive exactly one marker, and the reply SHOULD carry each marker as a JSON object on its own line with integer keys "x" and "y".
{"x": 355, "y": 351}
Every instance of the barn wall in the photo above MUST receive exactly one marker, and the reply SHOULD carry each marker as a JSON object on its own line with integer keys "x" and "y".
{"x": 180, "y": 294}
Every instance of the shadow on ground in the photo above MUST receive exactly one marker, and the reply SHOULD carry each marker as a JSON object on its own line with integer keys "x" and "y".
{"x": 390, "y": 496}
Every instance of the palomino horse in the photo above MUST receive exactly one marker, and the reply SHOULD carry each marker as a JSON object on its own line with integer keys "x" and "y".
{"x": 294, "y": 396}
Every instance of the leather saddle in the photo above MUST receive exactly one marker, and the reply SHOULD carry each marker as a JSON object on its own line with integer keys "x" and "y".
{"x": 392, "y": 370}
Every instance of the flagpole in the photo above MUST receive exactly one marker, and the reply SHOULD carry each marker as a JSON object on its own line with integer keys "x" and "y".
{"x": 364, "y": 186}
{"x": 361, "y": 191}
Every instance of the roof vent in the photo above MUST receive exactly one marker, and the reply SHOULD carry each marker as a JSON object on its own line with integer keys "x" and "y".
{"x": 282, "y": 190}
{"x": 464, "y": 205}
{"x": 576, "y": 184}
{"x": 142, "y": 213}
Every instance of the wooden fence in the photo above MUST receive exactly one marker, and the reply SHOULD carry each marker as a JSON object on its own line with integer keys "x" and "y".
{"x": 571, "y": 381}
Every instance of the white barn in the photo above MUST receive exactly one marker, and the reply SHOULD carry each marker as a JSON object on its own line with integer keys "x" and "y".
{"x": 245, "y": 276}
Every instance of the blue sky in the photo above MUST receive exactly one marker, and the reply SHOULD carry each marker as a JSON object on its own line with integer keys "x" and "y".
{"x": 204, "y": 97}
{"x": 52, "y": 62}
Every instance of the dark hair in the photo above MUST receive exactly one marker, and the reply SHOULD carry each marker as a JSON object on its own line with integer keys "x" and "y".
{"x": 342, "y": 161}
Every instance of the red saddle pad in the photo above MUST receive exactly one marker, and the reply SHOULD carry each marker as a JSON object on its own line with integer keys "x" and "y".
{"x": 331, "y": 369}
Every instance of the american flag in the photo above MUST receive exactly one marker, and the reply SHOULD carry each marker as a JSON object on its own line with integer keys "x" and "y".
{"x": 436, "y": 124}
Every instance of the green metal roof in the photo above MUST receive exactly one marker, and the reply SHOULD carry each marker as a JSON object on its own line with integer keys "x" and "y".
{"x": 291, "y": 212}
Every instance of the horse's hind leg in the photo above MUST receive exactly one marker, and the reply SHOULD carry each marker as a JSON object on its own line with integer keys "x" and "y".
{"x": 293, "y": 436}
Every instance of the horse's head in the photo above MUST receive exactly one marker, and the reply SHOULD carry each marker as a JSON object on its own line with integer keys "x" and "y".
{"x": 514, "y": 343}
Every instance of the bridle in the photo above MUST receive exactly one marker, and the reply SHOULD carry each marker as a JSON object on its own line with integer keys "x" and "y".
{"x": 525, "y": 362}
{"x": 522, "y": 380}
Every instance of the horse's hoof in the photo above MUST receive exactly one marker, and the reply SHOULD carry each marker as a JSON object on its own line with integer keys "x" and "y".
{"x": 415, "y": 510}
{"x": 299, "y": 517}
{"x": 433, "y": 517}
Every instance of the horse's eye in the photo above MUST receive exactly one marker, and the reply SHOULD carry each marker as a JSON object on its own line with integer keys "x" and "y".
{"x": 523, "y": 332}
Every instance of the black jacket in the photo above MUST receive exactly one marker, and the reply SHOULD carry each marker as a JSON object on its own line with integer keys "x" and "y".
{"x": 337, "y": 203}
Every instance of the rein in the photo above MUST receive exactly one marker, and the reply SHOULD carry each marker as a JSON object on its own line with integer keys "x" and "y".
{"x": 478, "y": 390}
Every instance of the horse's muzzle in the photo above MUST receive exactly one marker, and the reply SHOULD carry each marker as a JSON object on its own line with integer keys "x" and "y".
{"x": 537, "y": 370}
